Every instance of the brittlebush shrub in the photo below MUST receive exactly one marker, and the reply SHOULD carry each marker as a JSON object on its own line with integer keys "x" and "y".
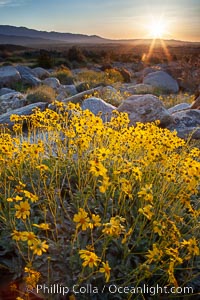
{"x": 64, "y": 75}
{"x": 102, "y": 204}
{"x": 172, "y": 100}
{"x": 95, "y": 78}
{"x": 41, "y": 94}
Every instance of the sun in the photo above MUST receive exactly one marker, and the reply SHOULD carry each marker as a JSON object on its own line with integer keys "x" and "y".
{"x": 157, "y": 29}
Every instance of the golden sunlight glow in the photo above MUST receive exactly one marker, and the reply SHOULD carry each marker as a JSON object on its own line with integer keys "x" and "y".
{"x": 157, "y": 29}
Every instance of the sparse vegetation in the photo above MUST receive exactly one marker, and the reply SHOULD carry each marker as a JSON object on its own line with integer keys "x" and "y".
{"x": 172, "y": 100}
{"x": 94, "y": 78}
{"x": 64, "y": 75}
{"x": 41, "y": 94}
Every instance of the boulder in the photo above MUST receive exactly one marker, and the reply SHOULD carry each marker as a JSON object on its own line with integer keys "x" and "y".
{"x": 28, "y": 76}
{"x": 8, "y": 76}
{"x": 149, "y": 70}
{"x": 145, "y": 108}
{"x": 178, "y": 107}
{"x": 11, "y": 101}
{"x": 186, "y": 122}
{"x": 23, "y": 70}
{"x": 141, "y": 88}
{"x": 4, "y": 91}
{"x": 162, "y": 81}
{"x": 52, "y": 82}
{"x": 96, "y": 105}
{"x": 65, "y": 91}
{"x": 23, "y": 111}
{"x": 41, "y": 73}
{"x": 30, "y": 80}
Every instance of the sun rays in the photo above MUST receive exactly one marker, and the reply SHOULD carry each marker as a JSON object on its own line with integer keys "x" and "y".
{"x": 157, "y": 30}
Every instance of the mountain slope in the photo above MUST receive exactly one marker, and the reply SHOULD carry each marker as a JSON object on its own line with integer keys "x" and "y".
{"x": 12, "y": 31}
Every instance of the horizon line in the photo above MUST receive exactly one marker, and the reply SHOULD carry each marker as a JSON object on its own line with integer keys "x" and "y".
{"x": 106, "y": 38}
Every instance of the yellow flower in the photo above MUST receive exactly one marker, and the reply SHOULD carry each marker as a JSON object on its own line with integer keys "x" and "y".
{"x": 137, "y": 173}
{"x": 97, "y": 168}
{"x": 82, "y": 219}
{"x": 103, "y": 153}
{"x": 22, "y": 210}
{"x": 146, "y": 193}
{"x": 104, "y": 184}
{"x": 90, "y": 258}
{"x": 126, "y": 235}
{"x": 30, "y": 196}
{"x": 174, "y": 254}
{"x": 42, "y": 168}
{"x": 32, "y": 277}
{"x": 18, "y": 198}
{"x": 96, "y": 221}
{"x": 17, "y": 235}
{"x": 192, "y": 247}
{"x": 58, "y": 103}
{"x": 170, "y": 271}
{"x": 14, "y": 118}
{"x": 29, "y": 236}
{"x": 9, "y": 199}
{"x": 19, "y": 188}
{"x": 155, "y": 254}
{"x": 106, "y": 269}
{"x": 158, "y": 227}
{"x": 38, "y": 247}
{"x": 42, "y": 226}
{"x": 126, "y": 187}
{"x": 146, "y": 211}
{"x": 114, "y": 228}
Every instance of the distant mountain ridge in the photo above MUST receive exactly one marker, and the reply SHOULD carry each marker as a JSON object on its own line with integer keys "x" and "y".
{"x": 13, "y": 31}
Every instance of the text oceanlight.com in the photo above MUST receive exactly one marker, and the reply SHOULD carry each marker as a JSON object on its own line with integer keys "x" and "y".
{"x": 112, "y": 289}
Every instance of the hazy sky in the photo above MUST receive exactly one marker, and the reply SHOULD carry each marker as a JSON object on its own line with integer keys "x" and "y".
{"x": 179, "y": 19}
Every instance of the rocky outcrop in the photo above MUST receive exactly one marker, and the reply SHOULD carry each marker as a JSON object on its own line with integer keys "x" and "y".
{"x": 149, "y": 70}
{"x": 186, "y": 123}
{"x": 40, "y": 73}
{"x": 178, "y": 107}
{"x": 162, "y": 81}
{"x": 9, "y": 76}
{"x": 11, "y": 101}
{"x": 28, "y": 76}
{"x": 4, "y": 91}
{"x": 141, "y": 88}
{"x": 30, "y": 80}
{"x": 66, "y": 91}
{"x": 96, "y": 105}
{"x": 145, "y": 108}
{"x": 52, "y": 82}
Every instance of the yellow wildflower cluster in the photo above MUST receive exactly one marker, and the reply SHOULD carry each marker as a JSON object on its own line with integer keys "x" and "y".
{"x": 136, "y": 186}
{"x": 31, "y": 278}
{"x": 113, "y": 227}
{"x": 92, "y": 260}
{"x": 35, "y": 244}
